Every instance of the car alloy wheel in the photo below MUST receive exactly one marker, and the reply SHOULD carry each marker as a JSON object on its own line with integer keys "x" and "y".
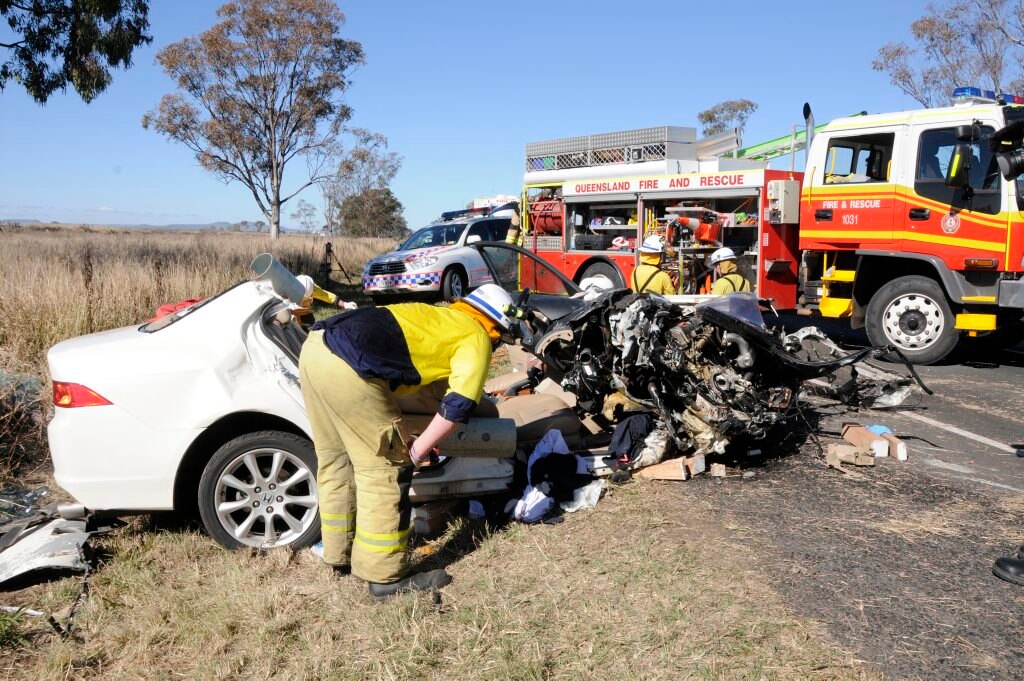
{"x": 259, "y": 490}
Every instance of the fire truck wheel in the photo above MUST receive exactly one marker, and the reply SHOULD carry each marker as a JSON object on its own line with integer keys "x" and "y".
{"x": 604, "y": 269}
{"x": 453, "y": 284}
{"x": 913, "y": 314}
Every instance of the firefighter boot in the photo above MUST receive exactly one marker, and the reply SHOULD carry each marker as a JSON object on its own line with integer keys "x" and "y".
{"x": 421, "y": 581}
{"x": 1009, "y": 569}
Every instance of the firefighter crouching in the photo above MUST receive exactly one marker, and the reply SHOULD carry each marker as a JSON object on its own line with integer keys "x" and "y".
{"x": 353, "y": 366}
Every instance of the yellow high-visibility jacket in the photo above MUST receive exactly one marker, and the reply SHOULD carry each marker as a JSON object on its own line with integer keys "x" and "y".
{"x": 649, "y": 269}
{"x": 730, "y": 281}
{"x": 410, "y": 345}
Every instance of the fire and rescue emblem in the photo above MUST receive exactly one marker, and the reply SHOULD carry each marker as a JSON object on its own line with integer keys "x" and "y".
{"x": 950, "y": 223}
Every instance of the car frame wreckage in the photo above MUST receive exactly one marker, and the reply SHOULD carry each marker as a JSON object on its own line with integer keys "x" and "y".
{"x": 708, "y": 371}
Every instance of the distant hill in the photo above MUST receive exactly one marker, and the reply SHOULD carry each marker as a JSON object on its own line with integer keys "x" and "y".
{"x": 195, "y": 227}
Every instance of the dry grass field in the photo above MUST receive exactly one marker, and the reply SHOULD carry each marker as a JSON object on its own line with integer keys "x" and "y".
{"x": 644, "y": 586}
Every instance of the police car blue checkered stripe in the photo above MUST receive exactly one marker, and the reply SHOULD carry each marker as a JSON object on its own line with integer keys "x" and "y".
{"x": 391, "y": 280}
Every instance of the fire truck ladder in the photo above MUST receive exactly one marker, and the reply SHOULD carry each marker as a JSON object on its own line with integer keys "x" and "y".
{"x": 780, "y": 146}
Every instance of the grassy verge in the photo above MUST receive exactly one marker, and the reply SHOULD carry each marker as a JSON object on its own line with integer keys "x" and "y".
{"x": 629, "y": 590}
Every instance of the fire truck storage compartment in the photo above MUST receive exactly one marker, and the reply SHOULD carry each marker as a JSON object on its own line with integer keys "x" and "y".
{"x": 596, "y": 224}
{"x": 696, "y": 226}
{"x": 544, "y": 207}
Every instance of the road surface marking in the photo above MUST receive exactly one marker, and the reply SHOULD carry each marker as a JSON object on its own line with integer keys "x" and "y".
{"x": 957, "y": 468}
{"x": 962, "y": 433}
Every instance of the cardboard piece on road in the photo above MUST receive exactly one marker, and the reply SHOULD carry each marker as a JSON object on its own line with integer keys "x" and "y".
{"x": 549, "y": 387}
{"x": 897, "y": 447}
{"x": 718, "y": 470}
{"x": 832, "y": 460}
{"x": 861, "y": 437}
{"x": 591, "y": 426}
{"x": 850, "y": 454}
{"x": 673, "y": 469}
{"x": 695, "y": 465}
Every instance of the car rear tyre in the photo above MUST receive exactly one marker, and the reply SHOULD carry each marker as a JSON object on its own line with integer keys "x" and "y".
{"x": 259, "y": 490}
{"x": 606, "y": 270}
{"x": 912, "y": 313}
{"x": 453, "y": 284}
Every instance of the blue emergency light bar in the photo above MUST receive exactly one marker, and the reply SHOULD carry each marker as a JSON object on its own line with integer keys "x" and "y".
{"x": 962, "y": 93}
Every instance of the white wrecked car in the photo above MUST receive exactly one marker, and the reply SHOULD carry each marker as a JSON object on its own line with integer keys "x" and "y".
{"x": 203, "y": 408}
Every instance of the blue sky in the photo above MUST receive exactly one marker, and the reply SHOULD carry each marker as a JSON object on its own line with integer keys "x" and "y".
{"x": 459, "y": 88}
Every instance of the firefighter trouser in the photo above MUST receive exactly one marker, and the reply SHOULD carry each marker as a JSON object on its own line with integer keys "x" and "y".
{"x": 364, "y": 467}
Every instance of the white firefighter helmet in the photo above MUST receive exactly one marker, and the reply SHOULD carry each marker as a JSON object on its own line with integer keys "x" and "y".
{"x": 722, "y": 254}
{"x": 653, "y": 244}
{"x": 494, "y": 302}
{"x": 307, "y": 283}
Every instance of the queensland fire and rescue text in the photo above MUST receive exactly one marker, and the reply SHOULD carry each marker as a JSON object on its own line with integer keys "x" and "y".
{"x": 660, "y": 183}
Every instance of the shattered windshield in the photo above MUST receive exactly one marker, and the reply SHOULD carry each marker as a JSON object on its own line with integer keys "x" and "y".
{"x": 742, "y": 306}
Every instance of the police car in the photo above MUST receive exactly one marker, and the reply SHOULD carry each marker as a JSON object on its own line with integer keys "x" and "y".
{"x": 437, "y": 258}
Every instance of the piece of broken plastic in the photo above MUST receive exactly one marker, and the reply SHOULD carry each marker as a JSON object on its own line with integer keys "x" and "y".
{"x": 584, "y": 497}
{"x": 56, "y": 545}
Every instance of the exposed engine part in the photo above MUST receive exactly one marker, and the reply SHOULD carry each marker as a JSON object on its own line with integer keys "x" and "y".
{"x": 709, "y": 372}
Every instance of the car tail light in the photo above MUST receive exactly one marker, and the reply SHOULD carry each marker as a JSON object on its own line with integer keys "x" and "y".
{"x": 75, "y": 395}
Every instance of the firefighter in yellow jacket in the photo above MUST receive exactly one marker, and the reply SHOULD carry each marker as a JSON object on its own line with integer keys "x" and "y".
{"x": 729, "y": 280}
{"x": 649, "y": 277}
{"x": 353, "y": 366}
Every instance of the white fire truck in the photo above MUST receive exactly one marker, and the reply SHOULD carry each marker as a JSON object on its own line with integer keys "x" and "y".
{"x": 901, "y": 222}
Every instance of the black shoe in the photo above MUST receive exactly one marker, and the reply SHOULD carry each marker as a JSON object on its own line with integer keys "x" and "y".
{"x": 421, "y": 581}
{"x": 341, "y": 570}
{"x": 1010, "y": 569}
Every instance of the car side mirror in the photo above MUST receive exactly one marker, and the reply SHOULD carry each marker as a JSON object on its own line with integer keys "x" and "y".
{"x": 959, "y": 163}
{"x": 472, "y": 239}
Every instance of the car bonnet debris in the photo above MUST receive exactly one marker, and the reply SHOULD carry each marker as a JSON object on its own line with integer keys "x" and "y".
{"x": 40, "y": 538}
{"x": 707, "y": 372}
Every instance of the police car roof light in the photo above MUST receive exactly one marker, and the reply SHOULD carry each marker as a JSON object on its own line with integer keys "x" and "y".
{"x": 1010, "y": 99}
{"x": 966, "y": 92}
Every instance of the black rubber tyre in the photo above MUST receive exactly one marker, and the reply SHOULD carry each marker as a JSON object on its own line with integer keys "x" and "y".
{"x": 273, "y": 507}
{"x": 603, "y": 268}
{"x": 912, "y": 313}
{"x": 453, "y": 284}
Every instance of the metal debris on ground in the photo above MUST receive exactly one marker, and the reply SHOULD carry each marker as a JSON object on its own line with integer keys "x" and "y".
{"x": 18, "y": 502}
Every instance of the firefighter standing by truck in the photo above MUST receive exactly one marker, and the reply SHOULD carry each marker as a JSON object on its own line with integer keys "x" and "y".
{"x": 353, "y": 366}
{"x": 729, "y": 279}
{"x": 649, "y": 277}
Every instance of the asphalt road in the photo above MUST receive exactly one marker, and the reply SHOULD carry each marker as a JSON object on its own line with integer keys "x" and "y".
{"x": 893, "y": 562}
{"x": 966, "y": 430}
